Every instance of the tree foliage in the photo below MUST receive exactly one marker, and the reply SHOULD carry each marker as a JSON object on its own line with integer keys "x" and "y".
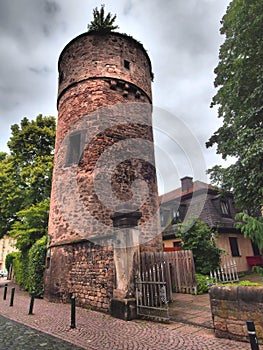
{"x": 100, "y": 23}
{"x": 31, "y": 224}
{"x": 239, "y": 79}
{"x": 25, "y": 174}
{"x": 25, "y": 186}
{"x": 196, "y": 236}
{"x": 251, "y": 227}
{"x": 36, "y": 266}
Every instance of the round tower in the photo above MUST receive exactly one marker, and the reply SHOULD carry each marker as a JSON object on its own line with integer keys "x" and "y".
{"x": 104, "y": 160}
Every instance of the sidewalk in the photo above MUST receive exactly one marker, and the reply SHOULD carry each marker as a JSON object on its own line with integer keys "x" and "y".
{"x": 96, "y": 331}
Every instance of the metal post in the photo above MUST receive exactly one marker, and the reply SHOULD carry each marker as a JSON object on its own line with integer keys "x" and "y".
{"x": 73, "y": 312}
{"x": 12, "y": 296}
{"x": 5, "y": 292}
{"x": 31, "y": 306}
{"x": 252, "y": 335}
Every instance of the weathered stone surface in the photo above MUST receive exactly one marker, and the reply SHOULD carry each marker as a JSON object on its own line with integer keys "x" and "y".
{"x": 101, "y": 77}
{"x": 231, "y": 309}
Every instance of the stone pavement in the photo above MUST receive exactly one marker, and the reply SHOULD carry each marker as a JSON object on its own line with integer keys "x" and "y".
{"x": 96, "y": 331}
{"x": 191, "y": 309}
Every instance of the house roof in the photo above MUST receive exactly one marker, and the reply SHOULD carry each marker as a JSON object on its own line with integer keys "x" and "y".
{"x": 178, "y": 193}
{"x": 202, "y": 200}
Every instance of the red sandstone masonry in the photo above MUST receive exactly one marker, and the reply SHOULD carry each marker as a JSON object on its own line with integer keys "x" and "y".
{"x": 97, "y": 71}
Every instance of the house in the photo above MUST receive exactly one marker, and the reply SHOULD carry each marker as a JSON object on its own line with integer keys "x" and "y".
{"x": 7, "y": 245}
{"x": 202, "y": 200}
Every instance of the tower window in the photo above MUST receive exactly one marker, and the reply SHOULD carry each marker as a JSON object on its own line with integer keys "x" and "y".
{"x": 74, "y": 149}
{"x": 127, "y": 64}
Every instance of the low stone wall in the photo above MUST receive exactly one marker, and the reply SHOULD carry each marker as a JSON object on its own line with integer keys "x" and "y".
{"x": 232, "y": 306}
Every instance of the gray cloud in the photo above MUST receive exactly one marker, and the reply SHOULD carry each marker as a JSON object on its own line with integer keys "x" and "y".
{"x": 181, "y": 37}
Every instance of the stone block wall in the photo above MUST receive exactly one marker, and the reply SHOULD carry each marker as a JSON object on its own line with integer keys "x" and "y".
{"x": 232, "y": 306}
{"x": 88, "y": 273}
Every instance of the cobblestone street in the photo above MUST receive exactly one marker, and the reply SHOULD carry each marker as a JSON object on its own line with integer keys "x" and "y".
{"x": 95, "y": 330}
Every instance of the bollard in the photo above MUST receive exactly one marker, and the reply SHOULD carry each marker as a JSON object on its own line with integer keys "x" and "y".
{"x": 31, "y": 306}
{"x": 73, "y": 312}
{"x": 12, "y": 296}
{"x": 252, "y": 335}
{"x": 5, "y": 292}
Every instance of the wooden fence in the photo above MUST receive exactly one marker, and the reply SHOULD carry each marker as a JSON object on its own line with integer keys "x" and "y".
{"x": 226, "y": 273}
{"x": 175, "y": 268}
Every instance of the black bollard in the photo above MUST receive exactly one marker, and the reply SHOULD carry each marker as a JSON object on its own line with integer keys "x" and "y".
{"x": 12, "y": 296}
{"x": 5, "y": 292}
{"x": 31, "y": 306}
{"x": 252, "y": 335}
{"x": 73, "y": 312}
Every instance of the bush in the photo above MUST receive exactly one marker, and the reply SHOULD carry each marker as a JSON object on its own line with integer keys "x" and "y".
{"x": 20, "y": 264}
{"x": 9, "y": 260}
{"x": 36, "y": 266}
{"x": 202, "y": 283}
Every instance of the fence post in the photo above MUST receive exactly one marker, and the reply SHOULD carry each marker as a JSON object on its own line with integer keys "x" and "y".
{"x": 31, "y": 306}
{"x": 5, "y": 292}
{"x": 73, "y": 312}
{"x": 12, "y": 296}
{"x": 252, "y": 335}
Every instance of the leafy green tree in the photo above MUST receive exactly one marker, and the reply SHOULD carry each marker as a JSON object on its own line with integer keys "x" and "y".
{"x": 100, "y": 23}
{"x": 11, "y": 193}
{"x": 31, "y": 224}
{"x": 196, "y": 235}
{"x": 31, "y": 147}
{"x": 239, "y": 97}
{"x": 26, "y": 174}
{"x": 251, "y": 227}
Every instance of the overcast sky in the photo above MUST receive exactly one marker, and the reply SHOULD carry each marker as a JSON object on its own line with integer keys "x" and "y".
{"x": 181, "y": 37}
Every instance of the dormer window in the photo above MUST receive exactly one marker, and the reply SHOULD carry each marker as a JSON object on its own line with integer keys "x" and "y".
{"x": 224, "y": 207}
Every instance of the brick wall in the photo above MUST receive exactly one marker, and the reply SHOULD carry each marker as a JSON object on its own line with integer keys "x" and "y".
{"x": 88, "y": 274}
{"x": 232, "y": 306}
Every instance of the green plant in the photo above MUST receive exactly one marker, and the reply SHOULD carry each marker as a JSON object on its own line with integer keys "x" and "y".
{"x": 9, "y": 260}
{"x": 196, "y": 236}
{"x": 202, "y": 282}
{"x": 244, "y": 283}
{"x": 100, "y": 22}
{"x": 36, "y": 265}
{"x": 20, "y": 266}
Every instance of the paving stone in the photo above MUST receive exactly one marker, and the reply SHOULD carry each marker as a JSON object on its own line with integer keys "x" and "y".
{"x": 96, "y": 331}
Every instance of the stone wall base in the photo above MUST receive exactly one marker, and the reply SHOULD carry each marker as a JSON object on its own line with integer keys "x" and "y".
{"x": 124, "y": 309}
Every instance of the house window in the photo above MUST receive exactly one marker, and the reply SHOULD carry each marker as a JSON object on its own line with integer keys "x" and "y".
{"x": 255, "y": 248}
{"x": 127, "y": 64}
{"x": 224, "y": 208}
{"x": 74, "y": 149}
{"x": 234, "y": 246}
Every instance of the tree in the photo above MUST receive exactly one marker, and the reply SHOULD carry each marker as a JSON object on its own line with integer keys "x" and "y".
{"x": 251, "y": 227}
{"x": 31, "y": 225}
{"x": 102, "y": 23}
{"x": 11, "y": 194}
{"x": 31, "y": 147}
{"x": 239, "y": 79}
{"x": 196, "y": 235}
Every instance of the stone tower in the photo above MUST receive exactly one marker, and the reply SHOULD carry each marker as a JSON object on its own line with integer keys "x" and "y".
{"x": 104, "y": 164}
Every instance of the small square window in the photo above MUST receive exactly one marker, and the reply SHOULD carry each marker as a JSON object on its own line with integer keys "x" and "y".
{"x": 127, "y": 64}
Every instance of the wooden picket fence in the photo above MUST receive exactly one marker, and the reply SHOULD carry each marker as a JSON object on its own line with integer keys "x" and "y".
{"x": 177, "y": 270}
{"x": 227, "y": 273}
